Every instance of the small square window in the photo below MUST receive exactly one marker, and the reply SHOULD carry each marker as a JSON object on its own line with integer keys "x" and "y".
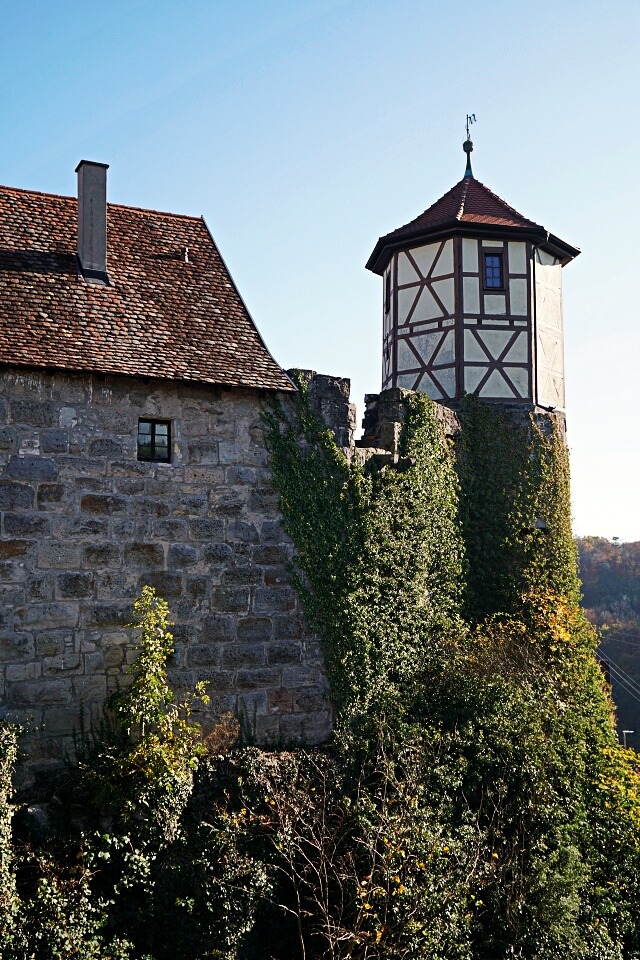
{"x": 493, "y": 275}
{"x": 154, "y": 440}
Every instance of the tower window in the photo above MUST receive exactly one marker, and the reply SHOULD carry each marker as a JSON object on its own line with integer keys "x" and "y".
{"x": 154, "y": 440}
{"x": 493, "y": 274}
{"x": 387, "y": 292}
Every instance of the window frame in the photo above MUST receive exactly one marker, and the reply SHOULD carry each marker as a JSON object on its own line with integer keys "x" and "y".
{"x": 154, "y": 423}
{"x": 499, "y": 255}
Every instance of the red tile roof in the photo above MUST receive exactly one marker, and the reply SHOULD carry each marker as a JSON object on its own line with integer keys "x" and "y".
{"x": 468, "y": 202}
{"x": 158, "y": 317}
{"x": 468, "y": 205}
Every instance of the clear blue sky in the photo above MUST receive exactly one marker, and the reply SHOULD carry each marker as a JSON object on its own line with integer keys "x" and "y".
{"x": 304, "y": 129}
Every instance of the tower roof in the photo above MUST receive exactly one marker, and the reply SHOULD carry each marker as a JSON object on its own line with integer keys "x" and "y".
{"x": 471, "y": 209}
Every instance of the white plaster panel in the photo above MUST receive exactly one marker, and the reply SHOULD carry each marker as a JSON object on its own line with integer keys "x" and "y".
{"x": 495, "y": 304}
{"x": 471, "y": 294}
{"x": 406, "y": 359}
{"x": 447, "y": 377}
{"x": 446, "y": 291}
{"x": 425, "y": 326}
{"x": 494, "y": 340}
{"x": 425, "y": 345}
{"x": 406, "y": 380}
{"x": 472, "y": 377}
{"x": 492, "y": 243}
{"x": 406, "y": 299}
{"x": 447, "y": 351}
{"x": 449, "y": 322}
{"x": 431, "y": 389}
{"x": 546, "y": 258}
{"x": 472, "y": 349}
{"x": 469, "y": 255}
{"x": 549, "y": 296}
{"x": 517, "y": 257}
{"x": 427, "y": 307}
{"x": 519, "y": 350}
{"x": 445, "y": 260}
{"x": 424, "y": 257}
{"x": 497, "y": 386}
{"x": 518, "y": 297}
{"x": 406, "y": 270}
{"x": 519, "y": 376}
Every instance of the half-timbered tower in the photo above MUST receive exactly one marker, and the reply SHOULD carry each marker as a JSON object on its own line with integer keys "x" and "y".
{"x": 472, "y": 301}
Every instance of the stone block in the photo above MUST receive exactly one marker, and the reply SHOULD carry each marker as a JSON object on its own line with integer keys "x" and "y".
{"x": 104, "y": 504}
{"x": 288, "y": 627}
{"x": 167, "y": 585}
{"x": 49, "y": 495}
{"x": 252, "y": 629}
{"x": 15, "y": 496}
{"x": 105, "y": 447}
{"x": 274, "y": 599}
{"x": 218, "y": 629}
{"x": 251, "y": 705}
{"x": 171, "y": 529}
{"x": 22, "y": 671}
{"x": 129, "y": 468}
{"x": 280, "y": 701}
{"x": 218, "y": 681}
{"x": 206, "y": 528}
{"x": 204, "y": 655}
{"x": 270, "y": 554}
{"x": 291, "y": 726}
{"x": 54, "y": 441}
{"x": 281, "y": 653}
{"x": 148, "y": 507}
{"x": 92, "y": 689}
{"x": 241, "y": 575}
{"x": 58, "y": 555}
{"x": 228, "y": 503}
{"x": 191, "y": 505}
{"x": 40, "y": 587}
{"x": 45, "y": 616}
{"x": 257, "y": 679}
{"x": 243, "y": 531}
{"x": 242, "y": 655}
{"x": 62, "y": 664}
{"x": 267, "y": 730}
{"x": 7, "y": 438}
{"x": 128, "y": 486}
{"x": 198, "y": 587}
{"x": 80, "y": 527}
{"x": 106, "y": 615}
{"x": 203, "y": 450}
{"x": 182, "y": 555}
{"x": 263, "y": 500}
{"x": 28, "y": 693}
{"x": 144, "y": 555}
{"x": 217, "y": 553}
{"x": 16, "y": 647}
{"x": 9, "y": 549}
{"x": 26, "y": 525}
{"x": 100, "y": 555}
{"x": 74, "y": 585}
{"x": 34, "y": 413}
{"x": 240, "y": 475}
{"x": 50, "y": 644}
{"x": 230, "y": 599}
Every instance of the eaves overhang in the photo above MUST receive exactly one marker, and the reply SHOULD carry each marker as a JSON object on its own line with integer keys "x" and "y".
{"x": 388, "y": 245}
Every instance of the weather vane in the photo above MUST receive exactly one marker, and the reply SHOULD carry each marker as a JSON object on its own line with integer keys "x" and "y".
{"x": 467, "y": 146}
{"x": 471, "y": 118}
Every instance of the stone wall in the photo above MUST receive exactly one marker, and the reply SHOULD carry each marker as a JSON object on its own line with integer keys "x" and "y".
{"x": 84, "y": 525}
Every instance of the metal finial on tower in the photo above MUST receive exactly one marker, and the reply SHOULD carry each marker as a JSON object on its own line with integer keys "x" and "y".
{"x": 467, "y": 146}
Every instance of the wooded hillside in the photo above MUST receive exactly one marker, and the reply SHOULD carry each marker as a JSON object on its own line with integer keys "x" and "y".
{"x": 610, "y": 574}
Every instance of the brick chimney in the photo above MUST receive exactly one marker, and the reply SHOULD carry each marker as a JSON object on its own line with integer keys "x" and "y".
{"x": 92, "y": 219}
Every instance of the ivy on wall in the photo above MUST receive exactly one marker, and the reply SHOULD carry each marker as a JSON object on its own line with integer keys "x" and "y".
{"x": 379, "y": 551}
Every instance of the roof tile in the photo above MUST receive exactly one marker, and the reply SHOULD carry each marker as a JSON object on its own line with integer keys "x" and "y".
{"x": 158, "y": 317}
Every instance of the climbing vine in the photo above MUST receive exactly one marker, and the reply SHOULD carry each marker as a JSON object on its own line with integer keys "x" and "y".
{"x": 379, "y": 561}
{"x": 514, "y": 507}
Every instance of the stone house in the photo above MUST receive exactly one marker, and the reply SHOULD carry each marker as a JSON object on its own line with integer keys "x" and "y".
{"x": 132, "y": 381}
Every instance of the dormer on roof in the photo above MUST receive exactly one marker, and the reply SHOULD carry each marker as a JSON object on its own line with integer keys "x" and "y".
{"x": 472, "y": 301}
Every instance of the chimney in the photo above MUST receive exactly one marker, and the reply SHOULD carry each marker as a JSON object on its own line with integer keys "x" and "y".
{"x": 92, "y": 219}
